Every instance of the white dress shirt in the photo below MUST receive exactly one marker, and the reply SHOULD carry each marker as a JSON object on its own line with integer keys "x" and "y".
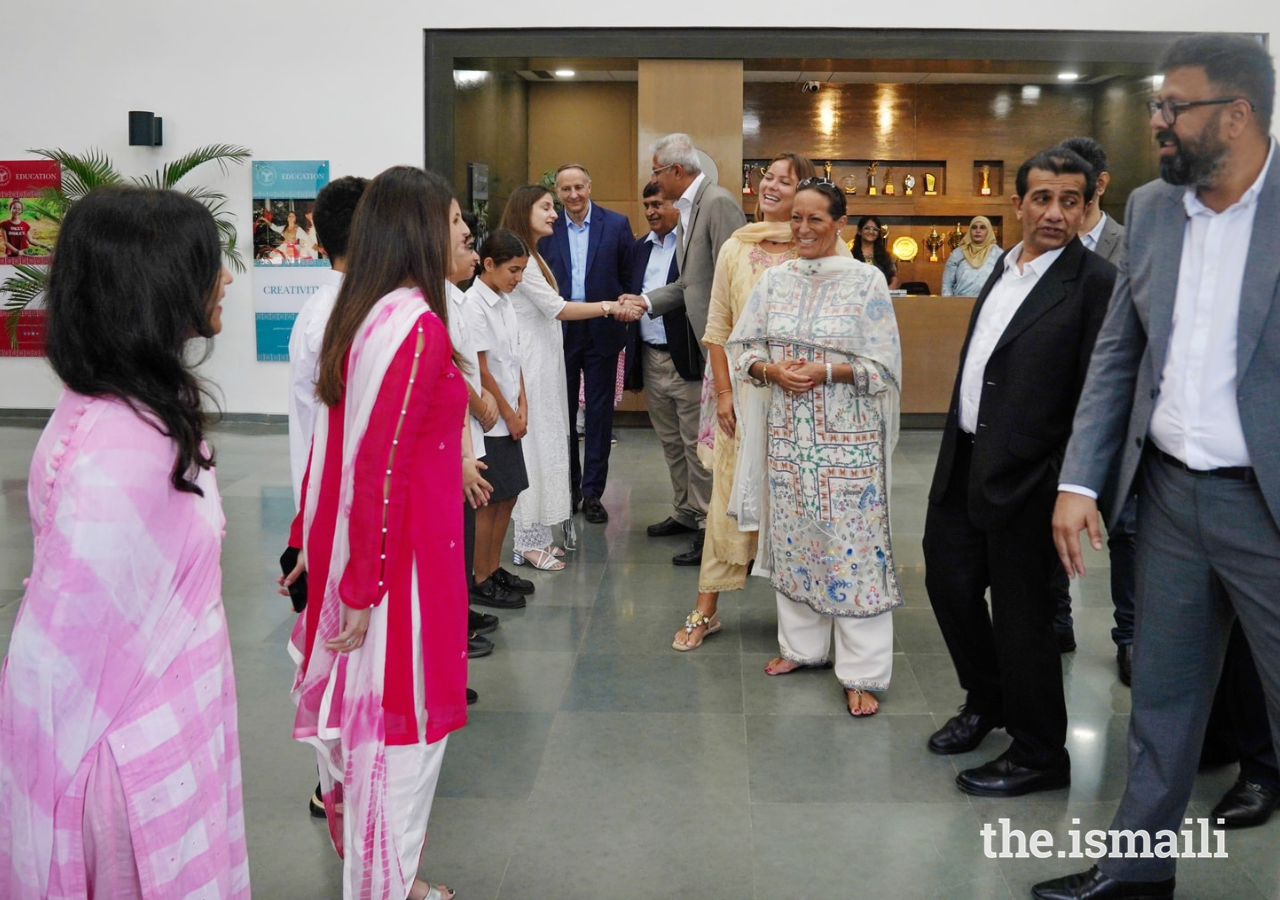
{"x": 304, "y": 368}
{"x": 491, "y": 319}
{"x": 997, "y": 311}
{"x": 652, "y": 330}
{"x": 1090, "y": 238}
{"x": 685, "y": 205}
{"x": 460, "y": 337}
{"x": 1196, "y": 416}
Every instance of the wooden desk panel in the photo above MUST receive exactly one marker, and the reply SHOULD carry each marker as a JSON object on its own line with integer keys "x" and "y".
{"x": 932, "y": 332}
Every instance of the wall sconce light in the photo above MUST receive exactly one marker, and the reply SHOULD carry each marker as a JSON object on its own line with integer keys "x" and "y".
{"x": 145, "y": 129}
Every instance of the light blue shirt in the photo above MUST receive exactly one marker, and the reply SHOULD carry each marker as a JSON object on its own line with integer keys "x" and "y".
{"x": 652, "y": 330}
{"x": 579, "y": 239}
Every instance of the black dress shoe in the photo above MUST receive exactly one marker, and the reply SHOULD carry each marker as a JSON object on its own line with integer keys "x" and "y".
{"x": 490, "y": 593}
{"x": 962, "y": 732}
{"x": 472, "y": 696}
{"x": 1004, "y": 778}
{"x": 316, "y": 806}
{"x": 512, "y": 582}
{"x": 575, "y": 499}
{"x": 593, "y": 511}
{"x": 692, "y": 556}
{"x": 481, "y": 623}
{"x": 668, "y": 527}
{"x": 1124, "y": 662}
{"x": 1066, "y": 640}
{"x": 1247, "y": 804}
{"x": 478, "y": 645}
{"x": 1093, "y": 885}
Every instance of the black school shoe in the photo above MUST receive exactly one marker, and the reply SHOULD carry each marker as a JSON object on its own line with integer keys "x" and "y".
{"x": 472, "y": 696}
{"x": 490, "y": 593}
{"x": 513, "y": 583}
{"x": 478, "y": 646}
{"x": 481, "y": 623}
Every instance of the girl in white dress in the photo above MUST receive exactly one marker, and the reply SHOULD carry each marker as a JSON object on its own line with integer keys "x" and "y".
{"x": 540, "y": 309}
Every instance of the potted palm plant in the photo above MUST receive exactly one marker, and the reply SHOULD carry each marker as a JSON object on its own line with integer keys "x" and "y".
{"x": 82, "y": 173}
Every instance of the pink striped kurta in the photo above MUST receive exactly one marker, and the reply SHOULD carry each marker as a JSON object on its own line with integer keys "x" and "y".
{"x": 119, "y": 757}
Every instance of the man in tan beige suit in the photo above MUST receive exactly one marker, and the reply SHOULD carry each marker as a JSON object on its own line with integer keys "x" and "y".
{"x": 708, "y": 216}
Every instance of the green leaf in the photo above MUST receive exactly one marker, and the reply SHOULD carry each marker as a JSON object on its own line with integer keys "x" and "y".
{"x": 81, "y": 173}
{"x": 22, "y": 288}
{"x": 222, "y": 154}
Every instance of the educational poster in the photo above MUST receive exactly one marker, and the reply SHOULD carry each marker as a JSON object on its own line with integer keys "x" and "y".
{"x": 27, "y": 232}
{"x": 289, "y": 265}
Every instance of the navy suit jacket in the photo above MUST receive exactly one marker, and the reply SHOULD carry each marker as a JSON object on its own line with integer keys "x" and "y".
{"x": 608, "y": 272}
{"x": 686, "y": 353}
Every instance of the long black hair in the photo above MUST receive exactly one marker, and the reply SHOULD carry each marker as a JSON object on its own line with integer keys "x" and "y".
{"x": 132, "y": 278}
{"x": 881, "y": 258}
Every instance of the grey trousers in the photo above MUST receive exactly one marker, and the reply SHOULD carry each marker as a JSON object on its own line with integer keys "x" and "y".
{"x": 675, "y": 407}
{"x": 1208, "y": 551}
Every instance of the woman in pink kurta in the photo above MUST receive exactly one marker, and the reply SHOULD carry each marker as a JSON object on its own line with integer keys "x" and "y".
{"x": 119, "y": 761}
{"x": 382, "y": 656}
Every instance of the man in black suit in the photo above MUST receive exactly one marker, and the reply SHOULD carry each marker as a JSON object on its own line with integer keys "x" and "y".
{"x": 671, "y": 368}
{"x": 589, "y": 252}
{"x": 990, "y": 510}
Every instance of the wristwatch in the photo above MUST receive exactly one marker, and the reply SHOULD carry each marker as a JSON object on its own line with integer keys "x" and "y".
{"x": 608, "y": 309}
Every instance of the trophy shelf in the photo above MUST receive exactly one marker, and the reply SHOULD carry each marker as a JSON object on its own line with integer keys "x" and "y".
{"x": 889, "y": 177}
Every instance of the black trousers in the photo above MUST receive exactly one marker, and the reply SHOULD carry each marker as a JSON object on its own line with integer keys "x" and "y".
{"x": 1238, "y": 724}
{"x": 1007, "y": 656}
{"x": 469, "y": 541}
{"x": 597, "y": 372}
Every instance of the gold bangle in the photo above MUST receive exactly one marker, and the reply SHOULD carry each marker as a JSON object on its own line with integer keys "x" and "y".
{"x": 725, "y": 391}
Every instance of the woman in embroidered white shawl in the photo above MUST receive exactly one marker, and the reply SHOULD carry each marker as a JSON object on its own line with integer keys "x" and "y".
{"x": 821, "y": 333}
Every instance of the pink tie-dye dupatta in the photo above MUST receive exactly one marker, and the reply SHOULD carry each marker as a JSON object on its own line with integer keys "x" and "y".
{"x": 119, "y": 675}
{"x": 340, "y": 695}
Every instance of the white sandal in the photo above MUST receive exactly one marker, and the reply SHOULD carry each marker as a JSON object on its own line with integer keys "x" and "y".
{"x": 540, "y": 559}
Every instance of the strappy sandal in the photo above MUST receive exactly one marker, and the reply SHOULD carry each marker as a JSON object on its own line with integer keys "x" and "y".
{"x": 540, "y": 559}
{"x": 862, "y": 714}
{"x": 570, "y": 534}
{"x": 438, "y": 892}
{"x": 697, "y": 619}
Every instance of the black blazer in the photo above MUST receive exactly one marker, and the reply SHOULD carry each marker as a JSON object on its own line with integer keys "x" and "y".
{"x": 1030, "y": 388}
{"x": 608, "y": 271}
{"x": 686, "y": 352}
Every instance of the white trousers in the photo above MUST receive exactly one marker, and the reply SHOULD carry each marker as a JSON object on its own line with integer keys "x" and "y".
{"x": 864, "y": 646}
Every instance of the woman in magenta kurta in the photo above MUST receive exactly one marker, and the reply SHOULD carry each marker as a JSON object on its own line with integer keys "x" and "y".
{"x": 119, "y": 760}
{"x": 382, "y": 655}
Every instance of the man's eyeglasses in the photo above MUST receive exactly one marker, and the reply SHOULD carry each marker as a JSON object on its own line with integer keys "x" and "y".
{"x": 1169, "y": 109}
{"x": 663, "y": 168}
{"x": 812, "y": 182}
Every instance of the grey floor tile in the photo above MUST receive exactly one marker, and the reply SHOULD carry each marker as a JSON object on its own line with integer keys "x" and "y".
{"x": 917, "y": 630}
{"x": 496, "y": 756}
{"x": 665, "y": 681}
{"x": 519, "y": 680}
{"x": 577, "y": 584}
{"x": 469, "y": 844}
{"x": 825, "y": 759}
{"x": 556, "y": 629}
{"x": 652, "y": 850}
{"x": 636, "y": 628}
{"x": 634, "y": 757}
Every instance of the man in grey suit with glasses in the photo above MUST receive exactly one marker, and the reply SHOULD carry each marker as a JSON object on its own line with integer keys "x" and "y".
{"x": 1182, "y": 391}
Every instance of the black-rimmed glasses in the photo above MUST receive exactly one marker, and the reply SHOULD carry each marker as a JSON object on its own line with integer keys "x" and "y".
{"x": 1169, "y": 109}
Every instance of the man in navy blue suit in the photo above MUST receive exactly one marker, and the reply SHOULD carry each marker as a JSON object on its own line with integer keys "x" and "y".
{"x": 589, "y": 254}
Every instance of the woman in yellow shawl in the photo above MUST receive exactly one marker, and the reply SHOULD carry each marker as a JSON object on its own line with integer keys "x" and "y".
{"x": 746, "y": 256}
{"x": 971, "y": 264}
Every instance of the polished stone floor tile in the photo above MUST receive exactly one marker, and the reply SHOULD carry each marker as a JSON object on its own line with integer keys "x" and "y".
{"x": 663, "y": 681}
{"x": 638, "y": 628}
{"x": 557, "y": 629}
{"x": 496, "y": 756}
{"x": 519, "y": 680}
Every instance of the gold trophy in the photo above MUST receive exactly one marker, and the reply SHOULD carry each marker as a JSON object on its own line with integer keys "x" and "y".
{"x": 871, "y": 180}
{"x": 955, "y": 237}
{"x": 909, "y": 183}
{"x": 986, "y": 182}
{"x": 933, "y": 242}
{"x": 826, "y": 171}
{"x": 746, "y": 179}
{"x": 850, "y": 184}
{"x": 930, "y": 185}
{"x": 888, "y": 183}
{"x": 884, "y": 234}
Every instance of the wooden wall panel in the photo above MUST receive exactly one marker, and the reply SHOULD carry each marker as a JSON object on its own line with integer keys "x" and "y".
{"x": 1121, "y": 124}
{"x": 932, "y": 333}
{"x": 491, "y": 125}
{"x": 592, "y": 123}
{"x": 700, "y": 97}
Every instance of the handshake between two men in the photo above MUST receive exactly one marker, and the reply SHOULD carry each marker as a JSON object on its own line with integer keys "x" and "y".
{"x": 629, "y": 308}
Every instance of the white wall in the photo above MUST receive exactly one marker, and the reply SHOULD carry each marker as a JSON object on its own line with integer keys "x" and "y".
{"x": 214, "y": 71}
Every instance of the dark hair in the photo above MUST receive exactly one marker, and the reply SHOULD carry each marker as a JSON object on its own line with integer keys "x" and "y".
{"x": 516, "y": 218}
{"x": 801, "y": 166}
{"x": 651, "y": 189}
{"x": 1059, "y": 161}
{"x": 1090, "y": 150}
{"x": 503, "y": 245}
{"x": 334, "y": 207}
{"x": 880, "y": 249}
{"x": 837, "y": 208}
{"x": 1235, "y": 64}
{"x": 131, "y": 281}
{"x": 399, "y": 237}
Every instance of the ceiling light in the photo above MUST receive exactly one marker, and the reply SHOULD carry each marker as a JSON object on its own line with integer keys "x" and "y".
{"x": 1030, "y": 93}
{"x": 1157, "y": 82}
{"x": 565, "y": 73}
{"x": 468, "y": 78}
{"x": 1068, "y": 76}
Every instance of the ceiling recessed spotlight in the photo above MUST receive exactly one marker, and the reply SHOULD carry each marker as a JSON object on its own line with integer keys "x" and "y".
{"x": 565, "y": 73}
{"x": 1068, "y": 76}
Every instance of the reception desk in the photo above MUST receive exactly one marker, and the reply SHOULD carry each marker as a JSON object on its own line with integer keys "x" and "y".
{"x": 932, "y": 331}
